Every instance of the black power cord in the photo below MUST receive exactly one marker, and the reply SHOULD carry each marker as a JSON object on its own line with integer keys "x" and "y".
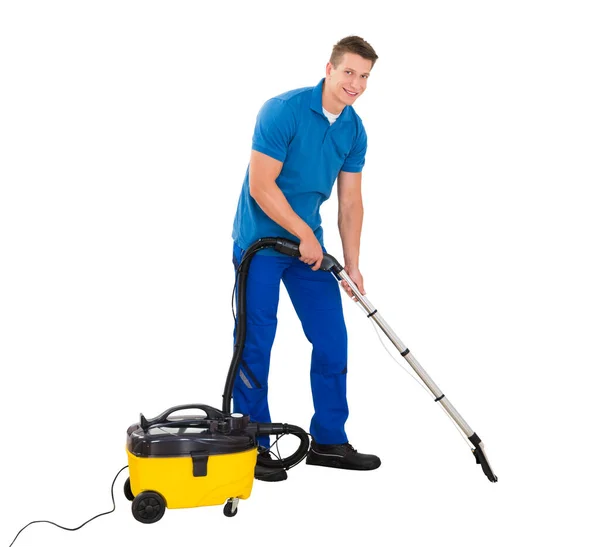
{"x": 112, "y": 495}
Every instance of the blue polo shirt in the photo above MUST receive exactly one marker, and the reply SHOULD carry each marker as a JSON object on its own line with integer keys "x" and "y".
{"x": 293, "y": 129}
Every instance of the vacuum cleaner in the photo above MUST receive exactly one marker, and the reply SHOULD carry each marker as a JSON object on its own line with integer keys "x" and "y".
{"x": 196, "y": 460}
{"x": 204, "y": 459}
{"x": 209, "y": 458}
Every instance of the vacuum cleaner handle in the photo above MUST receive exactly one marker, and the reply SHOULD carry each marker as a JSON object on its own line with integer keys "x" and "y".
{"x": 211, "y": 414}
{"x": 291, "y": 248}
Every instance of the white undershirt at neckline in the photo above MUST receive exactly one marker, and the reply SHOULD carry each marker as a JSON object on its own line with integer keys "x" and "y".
{"x": 331, "y": 117}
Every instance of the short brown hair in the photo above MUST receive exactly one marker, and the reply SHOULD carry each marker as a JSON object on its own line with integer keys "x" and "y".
{"x": 352, "y": 44}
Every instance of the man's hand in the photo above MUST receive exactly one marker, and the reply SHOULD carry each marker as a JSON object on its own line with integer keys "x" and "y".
{"x": 311, "y": 251}
{"x": 354, "y": 274}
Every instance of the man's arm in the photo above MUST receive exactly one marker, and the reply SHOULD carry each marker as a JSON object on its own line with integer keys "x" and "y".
{"x": 350, "y": 219}
{"x": 264, "y": 171}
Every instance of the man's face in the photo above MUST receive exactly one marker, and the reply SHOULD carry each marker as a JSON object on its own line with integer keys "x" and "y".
{"x": 348, "y": 80}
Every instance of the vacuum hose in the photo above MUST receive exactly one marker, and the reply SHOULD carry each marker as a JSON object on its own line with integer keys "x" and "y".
{"x": 282, "y": 429}
{"x": 260, "y": 429}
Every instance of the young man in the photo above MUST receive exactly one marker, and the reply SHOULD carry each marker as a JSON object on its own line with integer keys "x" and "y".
{"x": 303, "y": 141}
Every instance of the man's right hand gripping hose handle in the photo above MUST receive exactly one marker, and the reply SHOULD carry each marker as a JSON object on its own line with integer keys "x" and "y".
{"x": 311, "y": 252}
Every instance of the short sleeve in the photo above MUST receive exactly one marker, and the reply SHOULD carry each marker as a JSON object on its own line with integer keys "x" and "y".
{"x": 355, "y": 160}
{"x": 274, "y": 129}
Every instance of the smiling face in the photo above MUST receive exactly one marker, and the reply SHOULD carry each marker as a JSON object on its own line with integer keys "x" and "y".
{"x": 345, "y": 82}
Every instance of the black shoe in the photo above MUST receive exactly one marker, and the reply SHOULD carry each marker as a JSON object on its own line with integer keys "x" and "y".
{"x": 268, "y": 474}
{"x": 342, "y": 456}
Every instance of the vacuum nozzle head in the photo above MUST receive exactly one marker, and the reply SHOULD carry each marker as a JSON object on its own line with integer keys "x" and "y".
{"x": 481, "y": 458}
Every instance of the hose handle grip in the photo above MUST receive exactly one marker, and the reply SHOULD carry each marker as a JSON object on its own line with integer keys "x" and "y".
{"x": 291, "y": 248}
{"x": 287, "y": 247}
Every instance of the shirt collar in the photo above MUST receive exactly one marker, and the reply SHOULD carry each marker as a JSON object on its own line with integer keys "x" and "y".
{"x": 316, "y": 102}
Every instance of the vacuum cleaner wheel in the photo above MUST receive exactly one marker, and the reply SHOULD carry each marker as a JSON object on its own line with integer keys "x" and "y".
{"x": 229, "y": 510}
{"x": 127, "y": 490}
{"x": 148, "y": 507}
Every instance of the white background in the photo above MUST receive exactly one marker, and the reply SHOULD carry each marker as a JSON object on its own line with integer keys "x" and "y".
{"x": 125, "y": 133}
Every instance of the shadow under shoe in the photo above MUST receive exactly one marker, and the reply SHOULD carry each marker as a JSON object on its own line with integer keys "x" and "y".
{"x": 341, "y": 456}
{"x": 268, "y": 474}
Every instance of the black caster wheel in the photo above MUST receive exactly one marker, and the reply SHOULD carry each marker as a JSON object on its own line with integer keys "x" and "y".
{"x": 228, "y": 510}
{"x": 148, "y": 507}
{"x": 127, "y": 490}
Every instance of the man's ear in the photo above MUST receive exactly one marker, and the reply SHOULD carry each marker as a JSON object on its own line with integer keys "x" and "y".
{"x": 328, "y": 69}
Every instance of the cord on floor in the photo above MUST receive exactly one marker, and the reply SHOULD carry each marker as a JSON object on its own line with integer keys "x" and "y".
{"x": 112, "y": 495}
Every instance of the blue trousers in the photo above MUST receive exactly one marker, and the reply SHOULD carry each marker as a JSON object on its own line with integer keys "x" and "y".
{"x": 317, "y": 301}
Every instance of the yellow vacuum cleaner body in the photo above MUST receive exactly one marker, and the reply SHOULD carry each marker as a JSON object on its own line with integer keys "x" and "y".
{"x": 189, "y": 461}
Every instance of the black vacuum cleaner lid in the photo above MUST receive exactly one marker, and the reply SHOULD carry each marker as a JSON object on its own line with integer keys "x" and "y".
{"x": 189, "y": 434}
